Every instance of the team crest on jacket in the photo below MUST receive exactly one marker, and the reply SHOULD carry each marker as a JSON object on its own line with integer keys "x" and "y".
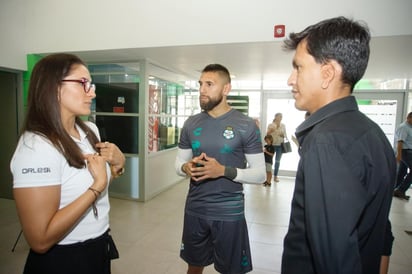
{"x": 229, "y": 133}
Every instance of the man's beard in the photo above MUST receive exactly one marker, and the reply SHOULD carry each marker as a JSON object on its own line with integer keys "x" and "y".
{"x": 211, "y": 103}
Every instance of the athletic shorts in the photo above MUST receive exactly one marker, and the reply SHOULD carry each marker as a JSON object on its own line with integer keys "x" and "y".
{"x": 224, "y": 243}
{"x": 268, "y": 167}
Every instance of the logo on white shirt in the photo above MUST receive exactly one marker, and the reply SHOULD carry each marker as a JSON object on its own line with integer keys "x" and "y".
{"x": 32, "y": 170}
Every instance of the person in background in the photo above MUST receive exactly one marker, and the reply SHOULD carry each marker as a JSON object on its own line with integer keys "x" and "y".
{"x": 404, "y": 158}
{"x": 269, "y": 151}
{"x": 219, "y": 149}
{"x": 401, "y": 173}
{"x": 278, "y": 132}
{"x": 344, "y": 182}
{"x": 61, "y": 173}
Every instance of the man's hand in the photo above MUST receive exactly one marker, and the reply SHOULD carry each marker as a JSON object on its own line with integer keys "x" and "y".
{"x": 203, "y": 167}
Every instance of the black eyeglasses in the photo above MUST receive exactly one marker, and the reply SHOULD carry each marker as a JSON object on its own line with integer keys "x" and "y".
{"x": 87, "y": 85}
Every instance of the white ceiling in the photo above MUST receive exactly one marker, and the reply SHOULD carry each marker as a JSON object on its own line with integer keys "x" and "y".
{"x": 391, "y": 58}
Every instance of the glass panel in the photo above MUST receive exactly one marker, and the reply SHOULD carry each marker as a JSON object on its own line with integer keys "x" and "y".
{"x": 126, "y": 186}
{"x": 121, "y": 73}
{"x": 292, "y": 118}
{"x": 239, "y": 102}
{"x": 116, "y": 106}
{"x": 385, "y": 109}
{"x": 165, "y": 110}
{"x": 117, "y": 97}
{"x": 121, "y": 130}
{"x": 382, "y": 112}
{"x": 115, "y": 110}
{"x": 379, "y": 84}
{"x": 254, "y": 101}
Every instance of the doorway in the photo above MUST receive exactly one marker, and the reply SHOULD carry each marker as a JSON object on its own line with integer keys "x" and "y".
{"x": 386, "y": 108}
{"x": 283, "y": 102}
{"x": 9, "y": 126}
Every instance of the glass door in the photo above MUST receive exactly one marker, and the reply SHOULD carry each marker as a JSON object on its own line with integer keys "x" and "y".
{"x": 386, "y": 108}
{"x": 283, "y": 102}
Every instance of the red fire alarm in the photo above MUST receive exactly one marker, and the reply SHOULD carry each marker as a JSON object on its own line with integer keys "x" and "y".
{"x": 279, "y": 31}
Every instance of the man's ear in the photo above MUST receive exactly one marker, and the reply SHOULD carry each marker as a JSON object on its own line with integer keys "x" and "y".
{"x": 331, "y": 71}
{"x": 226, "y": 88}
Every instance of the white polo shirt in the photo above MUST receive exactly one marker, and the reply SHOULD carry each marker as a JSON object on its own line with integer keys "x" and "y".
{"x": 36, "y": 163}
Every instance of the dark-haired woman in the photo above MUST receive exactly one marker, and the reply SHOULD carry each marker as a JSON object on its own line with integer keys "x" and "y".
{"x": 61, "y": 173}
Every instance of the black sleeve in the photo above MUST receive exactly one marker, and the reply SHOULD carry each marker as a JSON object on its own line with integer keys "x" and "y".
{"x": 332, "y": 214}
{"x": 388, "y": 241}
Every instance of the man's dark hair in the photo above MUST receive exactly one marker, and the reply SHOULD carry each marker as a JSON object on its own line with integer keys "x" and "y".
{"x": 339, "y": 39}
{"x": 223, "y": 71}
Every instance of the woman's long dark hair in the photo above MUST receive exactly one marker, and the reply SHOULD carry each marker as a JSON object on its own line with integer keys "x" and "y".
{"x": 43, "y": 107}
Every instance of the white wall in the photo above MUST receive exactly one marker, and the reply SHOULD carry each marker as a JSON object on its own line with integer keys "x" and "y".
{"x": 13, "y": 32}
{"x": 161, "y": 173}
{"x": 78, "y": 25}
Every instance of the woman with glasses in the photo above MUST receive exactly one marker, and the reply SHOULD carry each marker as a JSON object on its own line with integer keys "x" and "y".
{"x": 61, "y": 173}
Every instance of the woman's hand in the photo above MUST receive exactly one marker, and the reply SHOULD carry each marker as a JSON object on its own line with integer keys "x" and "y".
{"x": 97, "y": 167}
{"x": 112, "y": 154}
{"x": 43, "y": 221}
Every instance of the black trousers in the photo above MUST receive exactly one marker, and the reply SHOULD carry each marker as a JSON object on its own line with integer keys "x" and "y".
{"x": 407, "y": 160}
{"x": 90, "y": 257}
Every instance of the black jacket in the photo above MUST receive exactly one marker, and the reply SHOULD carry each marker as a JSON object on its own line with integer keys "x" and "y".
{"x": 343, "y": 194}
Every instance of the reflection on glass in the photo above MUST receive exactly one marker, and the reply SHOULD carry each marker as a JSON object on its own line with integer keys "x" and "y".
{"x": 169, "y": 106}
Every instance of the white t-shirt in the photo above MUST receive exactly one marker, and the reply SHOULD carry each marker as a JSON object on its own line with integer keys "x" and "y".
{"x": 36, "y": 163}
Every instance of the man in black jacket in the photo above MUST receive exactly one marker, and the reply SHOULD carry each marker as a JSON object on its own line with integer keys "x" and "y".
{"x": 344, "y": 183}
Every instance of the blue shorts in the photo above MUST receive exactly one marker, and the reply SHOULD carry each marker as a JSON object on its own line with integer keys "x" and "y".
{"x": 224, "y": 243}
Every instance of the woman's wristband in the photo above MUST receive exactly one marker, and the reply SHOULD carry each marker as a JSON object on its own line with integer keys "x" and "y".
{"x": 96, "y": 195}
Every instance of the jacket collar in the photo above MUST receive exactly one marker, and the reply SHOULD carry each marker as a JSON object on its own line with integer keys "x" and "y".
{"x": 341, "y": 105}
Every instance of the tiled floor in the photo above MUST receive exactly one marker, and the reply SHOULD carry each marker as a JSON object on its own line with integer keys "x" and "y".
{"x": 148, "y": 234}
